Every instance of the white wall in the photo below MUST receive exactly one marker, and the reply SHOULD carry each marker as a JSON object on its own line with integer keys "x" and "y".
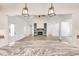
{"x": 75, "y": 29}
{"x": 3, "y": 29}
{"x": 22, "y": 28}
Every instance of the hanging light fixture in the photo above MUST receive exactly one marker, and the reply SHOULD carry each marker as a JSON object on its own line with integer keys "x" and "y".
{"x": 25, "y": 10}
{"x": 51, "y": 11}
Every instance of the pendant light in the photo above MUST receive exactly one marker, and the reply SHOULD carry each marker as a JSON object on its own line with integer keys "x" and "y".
{"x": 25, "y": 10}
{"x": 51, "y": 11}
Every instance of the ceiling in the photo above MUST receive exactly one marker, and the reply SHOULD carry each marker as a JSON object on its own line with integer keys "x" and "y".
{"x": 39, "y": 8}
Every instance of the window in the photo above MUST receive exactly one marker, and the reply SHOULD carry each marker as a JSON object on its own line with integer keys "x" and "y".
{"x": 55, "y": 29}
{"x": 65, "y": 28}
{"x": 24, "y": 28}
{"x": 12, "y": 30}
{"x": 62, "y": 28}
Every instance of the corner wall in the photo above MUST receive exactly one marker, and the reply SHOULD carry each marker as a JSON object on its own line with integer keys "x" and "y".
{"x": 3, "y": 29}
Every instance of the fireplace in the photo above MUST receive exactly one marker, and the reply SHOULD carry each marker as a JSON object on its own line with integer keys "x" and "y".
{"x": 40, "y": 33}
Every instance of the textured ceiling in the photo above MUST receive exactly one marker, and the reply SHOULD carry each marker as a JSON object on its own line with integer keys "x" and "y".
{"x": 38, "y": 7}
